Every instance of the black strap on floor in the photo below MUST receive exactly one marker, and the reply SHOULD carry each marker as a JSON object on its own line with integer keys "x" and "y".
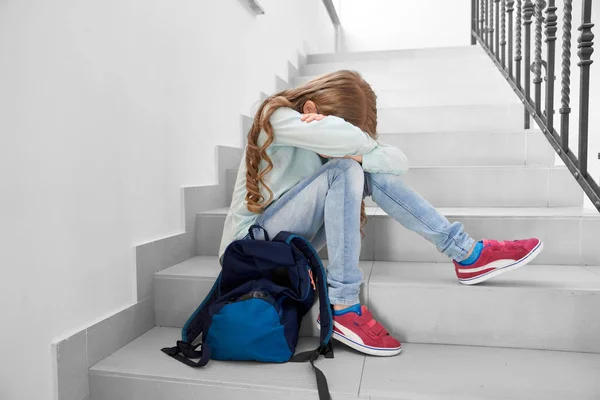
{"x": 312, "y": 356}
{"x": 188, "y": 352}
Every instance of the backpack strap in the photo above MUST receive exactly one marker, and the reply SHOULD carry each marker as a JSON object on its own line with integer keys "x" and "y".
{"x": 326, "y": 315}
{"x": 189, "y": 352}
{"x": 198, "y": 323}
{"x": 256, "y": 226}
{"x": 319, "y": 271}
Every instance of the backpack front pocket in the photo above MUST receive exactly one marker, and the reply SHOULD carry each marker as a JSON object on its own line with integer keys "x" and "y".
{"x": 249, "y": 329}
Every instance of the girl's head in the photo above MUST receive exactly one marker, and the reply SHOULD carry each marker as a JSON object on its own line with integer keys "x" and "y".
{"x": 343, "y": 94}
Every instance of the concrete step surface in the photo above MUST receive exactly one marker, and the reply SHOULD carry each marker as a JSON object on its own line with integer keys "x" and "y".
{"x": 569, "y": 233}
{"x": 450, "y": 149}
{"x": 455, "y": 60}
{"x": 419, "y": 89}
{"x": 488, "y": 78}
{"x": 451, "y": 118}
{"x": 140, "y": 371}
{"x": 549, "y": 307}
{"x": 473, "y": 148}
{"x": 493, "y": 186}
{"x": 404, "y": 54}
{"x": 180, "y": 289}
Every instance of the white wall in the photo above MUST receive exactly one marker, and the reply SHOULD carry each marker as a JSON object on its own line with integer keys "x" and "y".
{"x": 107, "y": 109}
{"x": 403, "y": 24}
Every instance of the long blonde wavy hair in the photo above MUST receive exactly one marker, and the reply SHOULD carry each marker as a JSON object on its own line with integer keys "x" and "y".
{"x": 344, "y": 94}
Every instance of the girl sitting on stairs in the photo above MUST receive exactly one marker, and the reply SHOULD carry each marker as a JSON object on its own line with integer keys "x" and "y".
{"x": 311, "y": 159}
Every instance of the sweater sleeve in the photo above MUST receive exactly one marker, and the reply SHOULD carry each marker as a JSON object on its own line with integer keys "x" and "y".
{"x": 332, "y": 136}
{"x": 385, "y": 159}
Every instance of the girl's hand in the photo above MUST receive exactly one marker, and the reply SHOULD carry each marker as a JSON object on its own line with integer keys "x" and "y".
{"x": 311, "y": 117}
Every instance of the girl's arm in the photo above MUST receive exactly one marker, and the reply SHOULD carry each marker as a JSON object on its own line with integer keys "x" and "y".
{"x": 331, "y": 135}
{"x": 385, "y": 159}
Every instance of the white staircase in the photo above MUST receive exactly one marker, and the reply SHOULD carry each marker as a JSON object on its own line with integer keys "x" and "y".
{"x": 530, "y": 334}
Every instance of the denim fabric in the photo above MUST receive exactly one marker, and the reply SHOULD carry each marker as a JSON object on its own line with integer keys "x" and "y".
{"x": 325, "y": 209}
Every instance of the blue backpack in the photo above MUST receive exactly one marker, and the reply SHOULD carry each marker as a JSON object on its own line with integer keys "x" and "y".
{"x": 254, "y": 309}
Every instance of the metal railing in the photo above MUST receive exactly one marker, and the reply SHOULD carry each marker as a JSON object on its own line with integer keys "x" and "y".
{"x": 489, "y": 28}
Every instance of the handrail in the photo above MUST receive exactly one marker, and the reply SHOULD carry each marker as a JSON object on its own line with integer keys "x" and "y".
{"x": 493, "y": 41}
{"x": 332, "y": 12}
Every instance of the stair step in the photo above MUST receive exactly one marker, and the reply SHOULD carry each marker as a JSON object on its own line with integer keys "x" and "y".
{"x": 473, "y": 148}
{"x": 516, "y": 186}
{"x": 139, "y": 371}
{"x": 520, "y": 147}
{"x": 418, "y": 89}
{"x": 451, "y": 118}
{"x": 549, "y": 307}
{"x": 568, "y": 233}
{"x": 428, "y": 53}
{"x": 180, "y": 289}
{"x": 430, "y": 96}
{"x": 493, "y": 186}
{"x": 420, "y": 61}
{"x": 469, "y": 373}
{"x": 415, "y": 80}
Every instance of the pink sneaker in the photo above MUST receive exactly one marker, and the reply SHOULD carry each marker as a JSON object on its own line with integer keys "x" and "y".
{"x": 358, "y": 329}
{"x": 497, "y": 258}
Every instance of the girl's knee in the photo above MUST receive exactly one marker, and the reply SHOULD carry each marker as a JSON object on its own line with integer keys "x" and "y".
{"x": 348, "y": 166}
{"x": 351, "y": 172}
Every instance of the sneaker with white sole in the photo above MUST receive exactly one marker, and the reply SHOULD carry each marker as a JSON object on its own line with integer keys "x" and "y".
{"x": 497, "y": 258}
{"x": 356, "y": 328}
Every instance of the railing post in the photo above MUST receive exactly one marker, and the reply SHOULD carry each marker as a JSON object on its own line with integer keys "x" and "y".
{"x": 509, "y": 10}
{"x": 473, "y": 21}
{"x": 497, "y": 38}
{"x": 565, "y": 100}
{"x": 503, "y": 33}
{"x": 518, "y": 56}
{"x": 482, "y": 20}
{"x": 527, "y": 14}
{"x": 491, "y": 25}
{"x": 586, "y": 49}
{"x": 537, "y": 67}
{"x": 551, "y": 41}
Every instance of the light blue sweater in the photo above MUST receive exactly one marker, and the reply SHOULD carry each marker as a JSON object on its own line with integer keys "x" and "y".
{"x": 295, "y": 155}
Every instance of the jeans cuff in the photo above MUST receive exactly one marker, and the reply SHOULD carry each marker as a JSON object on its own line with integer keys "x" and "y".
{"x": 345, "y": 301}
{"x": 468, "y": 245}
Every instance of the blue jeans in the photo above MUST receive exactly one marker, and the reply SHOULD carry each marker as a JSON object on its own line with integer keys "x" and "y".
{"x": 327, "y": 206}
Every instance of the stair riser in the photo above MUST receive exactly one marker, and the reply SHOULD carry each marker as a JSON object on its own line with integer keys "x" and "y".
{"x": 430, "y": 94}
{"x": 490, "y": 118}
{"x": 176, "y": 299}
{"x": 431, "y": 66}
{"x": 472, "y": 52}
{"x": 465, "y": 149}
{"x": 491, "y": 187}
{"x": 210, "y": 229}
{"x": 106, "y": 387}
{"x": 473, "y": 149}
{"x": 561, "y": 237}
{"x": 493, "y": 315}
{"x": 490, "y": 316}
{"x": 387, "y": 240}
{"x": 442, "y": 81}
{"x": 426, "y": 97}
